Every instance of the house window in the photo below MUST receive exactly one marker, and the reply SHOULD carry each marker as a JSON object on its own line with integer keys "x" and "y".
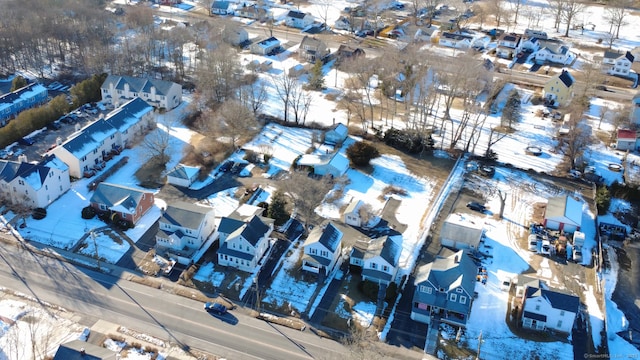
{"x": 324, "y": 253}
{"x": 537, "y": 307}
{"x": 423, "y": 288}
{"x": 561, "y": 312}
{"x": 95, "y": 151}
{"x": 453, "y": 297}
{"x": 374, "y": 265}
{"x": 463, "y": 299}
{"x": 559, "y": 324}
{"x": 46, "y": 187}
{"x": 20, "y": 182}
{"x": 459, "y": 290}
{"x": 103, "y": 207}
{"x": 429, "y": 290}
{"x": 385, "y": 268}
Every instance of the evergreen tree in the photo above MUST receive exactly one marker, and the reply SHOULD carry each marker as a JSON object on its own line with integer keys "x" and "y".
{"x": 316, "y": 78}
{"x": 18, "y": 82}
{"x": 361, "y": 153}
{"x": 277, "y": 208}
{"x": 511, "y": 110}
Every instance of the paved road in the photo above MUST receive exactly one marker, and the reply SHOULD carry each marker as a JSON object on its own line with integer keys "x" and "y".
{"x": 155, "y": 312}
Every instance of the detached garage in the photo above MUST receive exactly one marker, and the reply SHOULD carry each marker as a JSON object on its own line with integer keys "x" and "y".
{"x": 563, "y": 213}
{"x": 460, "y": 232}
{"x": 183, "y": 175}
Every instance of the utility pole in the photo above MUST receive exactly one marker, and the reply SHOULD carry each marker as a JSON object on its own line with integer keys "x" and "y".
{"x": 95, "y": 245}
{"x": 479, "y": 345}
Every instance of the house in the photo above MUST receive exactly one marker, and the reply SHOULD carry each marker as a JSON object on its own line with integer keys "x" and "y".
{"x": 614, "y": 63}
{"x": 312, "y": 49}
{"x": 553, "y": 52}
{"x": 378, "y": 258}
{"x": 220, "y": 7}
{"x": 351, "y": 215}
{"x": 160, "y": 94}
{"x": 347, "y": 52}
{"x": 538, "y": 34}
{"x": 123, "y": 202}
{"x": 266, "y": 46}
{"x": 235, "y": 35}
{"x": 455, "y": 40}
{"x": 531, "y": 44}
{"x": 427, "y": 34}
{"x": 243, "y": 243}
{"x": 524, "y": 281}
{"x": 34, "y": 185}
{"x": 563, "y": 213}
{"x": 90, "y": 147}
{"x": 297, "y": 19}
{"x": 332, "y": 164}
{"x": 183, "y": 175}
{"x": 460, "y": 232}
{"x": 11, "y": 104}
{"x": 444, "y": 288}
{"x": 336, "y": 134}
{"x": 480, "y": 42}
{"x": 81, "y": 350}
{"x": 508, "y": 44}
{"x": 183, "y": 229}
{"x": 322, "y": 248}
{"x": 545, "y": 309}
{"x": 558, "y": 91}
{"x": 634, "y": 116}
{"x": 251, "y": 12}
{"x": 343, "y": 24}
{"x": 628, "y": 140}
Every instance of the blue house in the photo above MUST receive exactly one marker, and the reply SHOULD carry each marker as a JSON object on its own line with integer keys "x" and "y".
{"x": 11, "y": 104}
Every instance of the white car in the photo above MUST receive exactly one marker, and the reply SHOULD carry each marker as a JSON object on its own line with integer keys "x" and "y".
{"x": 84, "y": 336}
{"x": 533, "y": 242}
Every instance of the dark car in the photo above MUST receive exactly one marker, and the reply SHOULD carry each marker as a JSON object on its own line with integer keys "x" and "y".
{"x": 26, "y": 141}
{"x": 226, "y": 166}
{"x": 54, "y": 126}
{"x": 476, "y": 206}
{"x": 215, "y": 308}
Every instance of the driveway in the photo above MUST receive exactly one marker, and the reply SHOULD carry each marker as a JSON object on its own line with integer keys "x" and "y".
{"x": 627, "y": 292}
{"x": 404, "y": 331}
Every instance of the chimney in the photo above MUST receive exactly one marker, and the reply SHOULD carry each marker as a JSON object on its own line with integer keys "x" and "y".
{"x": 22, "y": 158}
{"x": 153, "y": 91}
{"x": 101, "y": 116}
{"x": 58, "y": 141}
{"x": 82, "y": 352}
{"x": 77, "y": 127}
{"x": 126, "y": 88}
{"x": 456, "y": 259}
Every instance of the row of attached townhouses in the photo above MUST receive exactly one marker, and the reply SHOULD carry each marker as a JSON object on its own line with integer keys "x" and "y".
{"x": 88, "y": 148}
{"x": 160, "y": 94}
{"x": 11, "y": 104}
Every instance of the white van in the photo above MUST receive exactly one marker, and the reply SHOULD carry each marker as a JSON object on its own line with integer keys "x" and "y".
{"x": 533, "y": 242}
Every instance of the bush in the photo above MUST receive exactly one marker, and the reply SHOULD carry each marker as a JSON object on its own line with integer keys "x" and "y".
{"x": 88, "y": 212}
{"x": 361, "y": 153}
{"x": 251, "y": 156}
{"x": 407, "y": 140}
{"x": 88, "y": 90}
{"x": 39, "y": 213}
{"x": 18, "y": 83}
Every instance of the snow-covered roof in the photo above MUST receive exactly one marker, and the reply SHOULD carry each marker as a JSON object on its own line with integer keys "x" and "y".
{"x": 564, "y": 208}
{"x": 118, "y": 198}
{"x": 182, "y": 171}
{"x": 330, "y": 237}
{"x": 462, "y": 229}
{"x": 139, "y": 85}
{"x": 185, "y": 215}
{"x": 23, "y": 94}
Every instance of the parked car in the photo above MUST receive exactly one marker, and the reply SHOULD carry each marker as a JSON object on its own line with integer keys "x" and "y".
{"x": 577, "y": 254}
{"x": 476, "y": 206}
{"x": 84, "y": 336}
{"x": 226, "y": 166}
{"x": 215, "y": 308}
{"x": 26, "y": 141}
{"x": 533, "y": 242}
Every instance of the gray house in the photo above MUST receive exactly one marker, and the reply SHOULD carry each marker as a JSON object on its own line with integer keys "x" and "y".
{"x": 378, "y": 258}
{"x": 444, "y": 289}
{"x": 80, "y": 350}
{"x": 336, "y": 134}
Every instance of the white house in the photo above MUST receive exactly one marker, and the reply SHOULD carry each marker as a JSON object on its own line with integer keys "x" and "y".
{"x": 553, "y": 52}
{"x": 454, "y": 40}
{"x": 183, "y": 229}
{"x": 549, "y": 310}
{"x": 242, "y": 244}
{"x": 219, "y": 7}
{"x": 33, "y": 185}
{"x": 615, "y": 63}
{"x": 251, "y": 12}
{"x": 336, "y": 134}
{"x": 460, "y": 232}
{"x": 298, "y": 19}
{"x": 351, "y": 215}
{"x": 322, "y": 249}
{"x": 634, "y": 116}
{"x": 627, "y": 140}
{"x": 378, "y": 258}
{"x": 90, "y": 147}
{"x": 332, "y": 164}
{"x": 235, "y": 35}
{"x": 183, "y": 175}
{"x": 266, "y": 46}
{"x": 160, "y": 94}
{"x": 531, "y": 44}
{"x": 563, "y": 213}
{"x": 508, "y": 43}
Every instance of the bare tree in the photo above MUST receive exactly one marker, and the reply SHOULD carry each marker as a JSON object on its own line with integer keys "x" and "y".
{"x": 218, "y": 75}
{"x": 253, "y": 96}
{"x": 515, "y": 7}
{"x": 322, "y": 9}
{"x": 233, "y": 121}
{"x": 496, "y": 8}
{"x": 156, "y": 144}
{"x": 591, "y": 76}
{"x": 556, "y": 7}
{"x": 573, "y": 143}
{"x": 604, "y": 110}
{"x": 495, "y": 135}
{"x": 616, "y": 13}
{"x": 570, "y": 10}
{"x": 286, "y": 85}
{"x": 307, "y": 194}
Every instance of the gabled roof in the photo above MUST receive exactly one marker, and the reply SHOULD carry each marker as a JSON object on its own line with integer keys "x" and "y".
{"x": 185, "y": 215}
{"x": 182, "y": 171}
{"x": 128, "y": 114}
{"x": 23, "y": 93}
{"x": 564, "y": 207}
{"x": 32, "y": 174}
{"x": 557, "y": 300}
{"x": 456, "y": 36}
{"x": 222, "y": 5}
{"x": 229, "y": 225}
{"x": 296, "y": 14}
{"x": 629, "y": 56}
{"x": 460, "y": 228}
{"x": 251, "y": 231}
{"x": 142, "y": 85}
{"x": 268, "y": 42}
{"x": 73, "y": 351}
{"x": 311, "y": 42}
{"x": 387, "y": 247}
{"x": 627, "y": 134}
{"x": 330, "y": 237}
{"x": 557, "y": 49}
{"x": 608, "y": 54}
{"x": 566, "y": 78}
{"x": 117, "y": 197}
{"x": 510, "y": 37}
